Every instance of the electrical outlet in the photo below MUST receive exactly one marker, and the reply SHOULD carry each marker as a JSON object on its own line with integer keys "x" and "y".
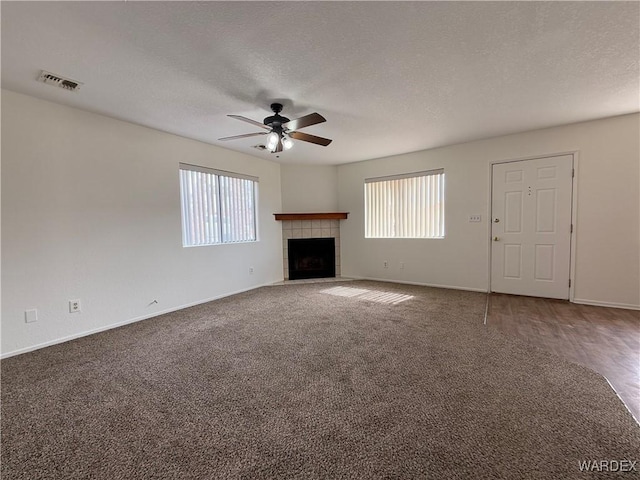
{"x": 250, "y": 270}
{"x": 386, "y": 264}
{"x": 74, "y": 306}
{"x": 30, "y": 316}
{"x": 475, "y": 218}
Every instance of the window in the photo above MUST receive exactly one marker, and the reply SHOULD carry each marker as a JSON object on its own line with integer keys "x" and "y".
{"x": 217, "y": 207}
{"x": 405, "y": 206}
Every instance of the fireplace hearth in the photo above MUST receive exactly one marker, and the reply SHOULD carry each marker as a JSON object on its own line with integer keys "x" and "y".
{"x": 311, "y": 258}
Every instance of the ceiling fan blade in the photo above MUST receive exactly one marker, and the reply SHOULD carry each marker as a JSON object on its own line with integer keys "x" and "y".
{"x": 305, "y": 121}
{"x": 243, "y": 136}
{"x": 248, "y": 120}
{"x": 305, "y": 137}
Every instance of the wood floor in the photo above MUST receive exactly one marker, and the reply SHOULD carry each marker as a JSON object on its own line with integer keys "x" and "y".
{"x": 606, "y": 340}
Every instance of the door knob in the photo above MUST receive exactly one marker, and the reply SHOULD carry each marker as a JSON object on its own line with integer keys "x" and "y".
{"x": 495, "y": 239}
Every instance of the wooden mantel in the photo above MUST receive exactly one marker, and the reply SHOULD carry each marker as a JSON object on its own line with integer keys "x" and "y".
{"x": 312, "y": 216}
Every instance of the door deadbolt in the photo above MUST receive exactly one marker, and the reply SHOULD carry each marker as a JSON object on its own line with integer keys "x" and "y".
{"x": 496, "y": 220}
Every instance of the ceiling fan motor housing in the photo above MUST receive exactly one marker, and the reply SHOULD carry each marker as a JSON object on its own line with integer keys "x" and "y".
{"x": 276, "y": 121}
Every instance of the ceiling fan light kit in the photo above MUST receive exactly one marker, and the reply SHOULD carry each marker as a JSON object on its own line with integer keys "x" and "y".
{"x": 272, "y": 140}
{"x": 282, "y": 131}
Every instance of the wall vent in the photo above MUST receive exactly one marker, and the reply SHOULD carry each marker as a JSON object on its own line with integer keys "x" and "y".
{"x": 59, "y": 81}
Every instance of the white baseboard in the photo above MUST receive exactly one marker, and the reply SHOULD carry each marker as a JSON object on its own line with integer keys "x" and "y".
{"x": 199, "y": 302}
{"x": 451, "y": 287}
{"x": 595, "y": 303}
{"x": 123, "y": 323}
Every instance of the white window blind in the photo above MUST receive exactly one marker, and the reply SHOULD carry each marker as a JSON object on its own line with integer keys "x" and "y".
{"x": 217, "y": 206}
{"x": 405, "y": 206}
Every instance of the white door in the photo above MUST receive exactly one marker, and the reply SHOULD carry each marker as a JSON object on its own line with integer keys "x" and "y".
{"x": 531, "y": 227}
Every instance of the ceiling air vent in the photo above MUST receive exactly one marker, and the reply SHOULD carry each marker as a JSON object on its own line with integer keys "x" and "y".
{"x": 59, "y": 81}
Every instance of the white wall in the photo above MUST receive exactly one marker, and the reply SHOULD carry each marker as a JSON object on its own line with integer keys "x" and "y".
{"x": 309, "y": 188}
{"x": 608, "y": 213}
{"x": 91, "y": 211}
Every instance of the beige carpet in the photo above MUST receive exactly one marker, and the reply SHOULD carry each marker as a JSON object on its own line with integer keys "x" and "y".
{"x": 342, "y": 380}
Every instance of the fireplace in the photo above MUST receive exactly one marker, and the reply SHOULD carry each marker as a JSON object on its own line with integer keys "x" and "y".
{"x": 312, "y": 258}
{"x": 310, "y": 225}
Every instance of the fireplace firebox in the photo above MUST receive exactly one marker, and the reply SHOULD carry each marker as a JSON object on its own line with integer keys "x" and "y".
{"x": 312, "y": 258}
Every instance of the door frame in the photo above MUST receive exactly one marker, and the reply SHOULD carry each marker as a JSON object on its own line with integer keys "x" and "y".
{"x": 574, "y": 213}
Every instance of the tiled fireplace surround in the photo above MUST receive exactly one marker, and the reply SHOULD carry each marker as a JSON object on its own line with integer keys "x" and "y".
{"x": 309, "y": 229}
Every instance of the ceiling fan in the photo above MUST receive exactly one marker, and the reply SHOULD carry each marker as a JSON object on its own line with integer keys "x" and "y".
{"x": 281, "y": 130}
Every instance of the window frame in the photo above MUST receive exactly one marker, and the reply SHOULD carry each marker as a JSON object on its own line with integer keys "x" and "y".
{"x": 372, "y": 231}
{"x": 220, "y": 212}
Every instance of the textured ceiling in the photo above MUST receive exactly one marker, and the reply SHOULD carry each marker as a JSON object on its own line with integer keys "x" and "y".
{"x": 390, "y": 77}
